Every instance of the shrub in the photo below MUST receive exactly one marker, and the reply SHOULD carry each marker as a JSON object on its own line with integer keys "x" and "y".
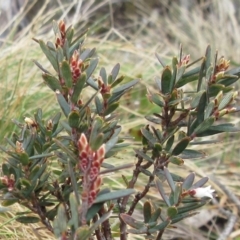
{"x": 55, "y": 166}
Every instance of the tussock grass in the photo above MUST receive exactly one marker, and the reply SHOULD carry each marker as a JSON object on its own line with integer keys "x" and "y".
{"x": 133, "y": 43}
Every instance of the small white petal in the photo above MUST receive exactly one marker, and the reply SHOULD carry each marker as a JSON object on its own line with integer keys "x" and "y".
{"x": 203, "y": 192}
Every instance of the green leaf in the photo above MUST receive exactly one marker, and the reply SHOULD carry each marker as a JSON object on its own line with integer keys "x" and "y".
{"x": 162, "y": 192}
{"x": 166, "y": 80}
{"x": 78, "y": 88}
{"x": 160, "y": 226}
{"x": 103, "y": 74}
{"x": 143, "y": 155}
{"x": 169, "y": 143}
{"x": 201, "y": 74}
{"x": 69, "y": 34}
{"x": 111, "y": 108}
{"x": 188, "y": 181}
{"x": 229, "y": 80}
{"x": 131, "y": 221}
{"x": 65, "y": 148}
{"x": 114, "y": 195}
{"x": 117, "y": 81}
{"x": 181, "y": 145}
{"x": 92, "y": 66}
{"x": 115, "y": 72}
{"x": 225, "y": 127}
{"x": 195, "y": 101}
{"x": 83, "y": 233}
{"x": 225, "y": 101}
{"x": 191, "y": 154}
{"x": 87, "y": 53}
{"x": 185, "y": 80}
{"x": 194, "y": 71}
{"x": 5, "y": 169}
{"x": 99, "y": 105}
{"x": 159, "y": 59}
{"x": 52, "y": 82}
{"x": 201, "y": 108}
{"x": 177, "y": 193}
{"x": 27, "y": 219}
{"x": 60, "y": 222}
{"x": 148, "y": 135}
{"x": 176, "y": 160}
{"x": 96, "y": 128}
{"x": 182, "y": 216}
{"x": 180, "y": 72}
{"x": 9, "y": 202}
{"x": 52, "y": 59}
{"x": 74, "y": 119}
{"x": 172, "y": 212}
{"x": 189, "y": 207}
{"x": 66, "y": 73}
{"x": 205, "y": 125}
{"x": 169, "y": 179}
{"x": 209, "y": 110}
{"x": 157, "y": 99}
{"x": 24, "y": 159}
{"x": 97, "y": 142}
{"x": 208, "y": 56}
{"x": 100, "y": 221}
{"x": 214, "y": 89}
{"x": 74, "y": 211}
{"x": 147, "y": 211}
{"x": 200, "y": 183}
{"x": 155, "y": 215}
{"x": 63, "y": 104}
{"x": 125, "y": 86}
{"x": 90, "y": 81}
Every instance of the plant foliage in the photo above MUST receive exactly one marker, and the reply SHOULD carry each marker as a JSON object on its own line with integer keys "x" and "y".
{"x": 54, "y": 165}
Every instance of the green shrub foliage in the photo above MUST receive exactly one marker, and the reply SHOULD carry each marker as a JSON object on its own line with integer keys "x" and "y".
{"x": 54, "y": 166}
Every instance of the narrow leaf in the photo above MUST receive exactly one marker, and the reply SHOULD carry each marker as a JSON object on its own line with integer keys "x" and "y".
{"x": 114, "y": 195}
{"x": 78, "y": 88}
{"x": 162, "y": 192}
{"x": 180, "y": 146}
{"x": 63, "y": 104}
{"x": 27, "y": 219}
{"x": 66, "y": 74}
{"x": 199, "y": 183}
{"x": 115, "y": 72}
{"x": 49, "y": 54}
{"x": 52, "y": 82}
{"x": 166, "y": 80}
{"x": 143, "y": 155}
{"x": 147, "y": 211}
{"x": 169, "y": 179}
{"x": 188, "y": 181}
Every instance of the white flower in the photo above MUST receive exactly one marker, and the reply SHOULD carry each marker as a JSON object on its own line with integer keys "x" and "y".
{"x": 202, "y": 192}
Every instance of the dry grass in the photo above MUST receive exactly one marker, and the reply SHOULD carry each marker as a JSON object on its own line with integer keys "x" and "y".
{"x": 145, "y": 30}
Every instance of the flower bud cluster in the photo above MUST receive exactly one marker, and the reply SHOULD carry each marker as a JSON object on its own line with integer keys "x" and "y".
{"x": 76, "y": 66}
{"x": 89, "y": 163}
{"x": 8, "y": 181}
{"x": 60, "y": 39}
{"x": 184, "y": 61}
{"x": 221, "y": 67}
{"x": 104, "y": 88}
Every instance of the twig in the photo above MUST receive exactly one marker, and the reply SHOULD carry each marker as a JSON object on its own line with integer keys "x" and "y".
{"x": 232, "y": 218}
{"x": 228, "y": 227}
